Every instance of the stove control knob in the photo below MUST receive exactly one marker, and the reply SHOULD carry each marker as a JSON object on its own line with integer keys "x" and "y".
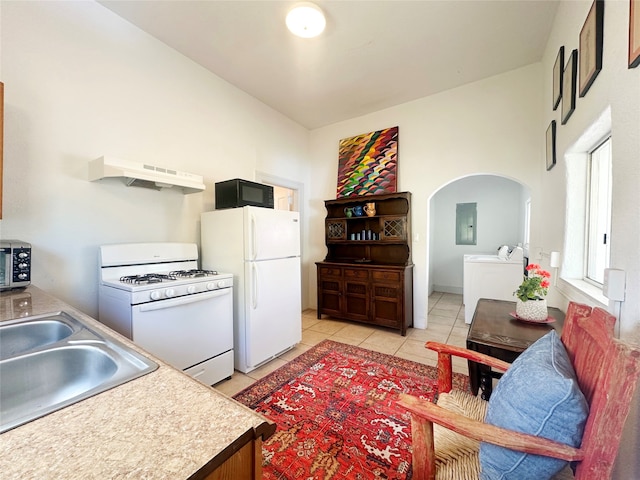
{"x": 221, "y": 284}
{"x": 155, "y": 295}
{"x": 191, "y": 289}
{"x": 170, "y": 292}
{"x": 211, "y": 286}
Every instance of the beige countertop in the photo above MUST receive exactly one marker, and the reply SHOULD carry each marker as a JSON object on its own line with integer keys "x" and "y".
{"x": 162, "y": 425}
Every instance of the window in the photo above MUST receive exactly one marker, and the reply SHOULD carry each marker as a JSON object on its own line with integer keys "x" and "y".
{"x": 584, "y": 255}
{"x": 598, "y": 212}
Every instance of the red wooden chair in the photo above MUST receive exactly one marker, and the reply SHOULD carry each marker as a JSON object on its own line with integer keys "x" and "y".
{"x": 607, "y": 371}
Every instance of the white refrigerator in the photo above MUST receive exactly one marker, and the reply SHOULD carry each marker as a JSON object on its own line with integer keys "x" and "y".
{"x": 261, "y": 248}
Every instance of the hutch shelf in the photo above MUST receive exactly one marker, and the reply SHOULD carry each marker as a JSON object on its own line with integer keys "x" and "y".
{"x": 367, "y": 275}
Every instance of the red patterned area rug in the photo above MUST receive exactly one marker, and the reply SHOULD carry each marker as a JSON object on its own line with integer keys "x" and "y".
{"x": 336, "y": 416}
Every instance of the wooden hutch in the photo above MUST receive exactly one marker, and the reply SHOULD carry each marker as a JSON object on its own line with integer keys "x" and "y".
{"x": 367, "y": 275}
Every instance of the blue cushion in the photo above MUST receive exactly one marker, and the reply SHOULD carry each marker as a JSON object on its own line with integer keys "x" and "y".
{"x": 539, "y": 395}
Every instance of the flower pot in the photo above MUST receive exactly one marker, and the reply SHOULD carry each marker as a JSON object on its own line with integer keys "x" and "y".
{"x": 534, "y": 310}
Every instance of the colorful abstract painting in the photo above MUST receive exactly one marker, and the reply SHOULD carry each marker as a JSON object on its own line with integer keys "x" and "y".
{"x": 367, "y": 164}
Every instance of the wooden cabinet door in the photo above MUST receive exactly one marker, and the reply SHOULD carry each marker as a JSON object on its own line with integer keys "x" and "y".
{"x": 356, "y": 293}
{"x": 245, "y": 464}
{"x": 330, "y": 286}
{"x": 387, "y": 297}
{"x": 393, "y": 229}
{"x": 335, "y": 229}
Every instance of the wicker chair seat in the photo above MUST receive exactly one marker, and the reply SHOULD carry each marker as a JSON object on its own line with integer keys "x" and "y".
{"x": 456, "y": 455}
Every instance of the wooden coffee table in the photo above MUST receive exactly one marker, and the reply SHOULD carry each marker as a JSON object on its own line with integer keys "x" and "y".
{"x": 495, "y": 332}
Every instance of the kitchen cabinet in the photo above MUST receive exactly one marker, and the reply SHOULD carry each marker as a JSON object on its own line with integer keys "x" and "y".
{"x": 375, "y": 294}
{"x": 244, "y": 464}
{"x": 367, "y": 274}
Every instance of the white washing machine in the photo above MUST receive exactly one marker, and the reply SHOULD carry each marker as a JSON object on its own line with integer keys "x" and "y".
{"x": 491, "y": 276}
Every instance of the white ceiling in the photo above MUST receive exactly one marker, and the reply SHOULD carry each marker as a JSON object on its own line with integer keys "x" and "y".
{"x": 372, "y": 55}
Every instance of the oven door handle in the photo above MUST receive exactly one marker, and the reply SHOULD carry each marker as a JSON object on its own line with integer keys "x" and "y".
{"x": 176, "y": 302}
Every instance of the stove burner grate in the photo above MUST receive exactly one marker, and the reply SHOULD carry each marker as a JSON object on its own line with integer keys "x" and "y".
{"x": 193, "y": 273}
{"x": 147, "y": 278}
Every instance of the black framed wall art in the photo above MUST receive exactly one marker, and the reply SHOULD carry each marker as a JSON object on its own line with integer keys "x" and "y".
{"x": 557, "y": 78}
{"x": 634, "y": 33}
{"x": 551, "y": 145}
{"x": 591, "y": 46}
{"x": 569, "y": 86}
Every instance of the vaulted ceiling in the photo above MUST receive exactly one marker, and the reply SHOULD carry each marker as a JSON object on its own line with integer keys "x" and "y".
{"x": 374, "y": 54}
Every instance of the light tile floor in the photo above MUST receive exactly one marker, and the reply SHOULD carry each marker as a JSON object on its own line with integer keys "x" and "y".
{"x": 445, "y": 325}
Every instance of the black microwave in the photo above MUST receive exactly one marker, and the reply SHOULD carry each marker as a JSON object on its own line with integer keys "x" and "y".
{"x": 240, "y": 193}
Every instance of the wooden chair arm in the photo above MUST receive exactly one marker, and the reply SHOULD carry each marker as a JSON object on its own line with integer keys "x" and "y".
{"x": 429, "y": 412}
{"x": 469, "y": 355}
{"x": 445, "y": 369}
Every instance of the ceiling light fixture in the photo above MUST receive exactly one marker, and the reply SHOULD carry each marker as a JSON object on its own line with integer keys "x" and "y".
{"x": 306, "y": 20}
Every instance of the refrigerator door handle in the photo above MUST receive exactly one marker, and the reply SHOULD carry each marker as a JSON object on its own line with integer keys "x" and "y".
{"x": 252, "y": 233}
{"x": 254, "y": 289}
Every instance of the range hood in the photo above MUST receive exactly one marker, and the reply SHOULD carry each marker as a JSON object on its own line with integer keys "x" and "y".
{"x": 144, "y": 175}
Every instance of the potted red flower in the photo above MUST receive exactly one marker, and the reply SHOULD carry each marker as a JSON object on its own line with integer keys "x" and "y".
{"x": 531, "y": 302}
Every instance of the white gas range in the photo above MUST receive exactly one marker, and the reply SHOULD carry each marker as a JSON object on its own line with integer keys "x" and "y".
{"x": 155, "y": 295}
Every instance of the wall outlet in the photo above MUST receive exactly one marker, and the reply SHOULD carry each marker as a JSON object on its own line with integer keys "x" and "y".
{"x": 613, "y": 286}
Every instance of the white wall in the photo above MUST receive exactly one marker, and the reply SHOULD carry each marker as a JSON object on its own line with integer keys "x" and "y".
{"x": 80, "y": 83}
{"x": 488, "y": 127}
{"x": 616, "y": 87}
{"x": 499, "y": 222}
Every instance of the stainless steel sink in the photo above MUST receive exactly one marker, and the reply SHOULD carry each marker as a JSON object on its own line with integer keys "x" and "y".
{"x": 26, "y": 335}
{"x": 51, "y": 361}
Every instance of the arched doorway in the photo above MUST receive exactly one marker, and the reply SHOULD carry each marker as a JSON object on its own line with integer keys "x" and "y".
{"x": 502, "y": 205}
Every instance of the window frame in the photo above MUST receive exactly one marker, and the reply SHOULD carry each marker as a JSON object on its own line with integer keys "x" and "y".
{"x": 594, "y": 220}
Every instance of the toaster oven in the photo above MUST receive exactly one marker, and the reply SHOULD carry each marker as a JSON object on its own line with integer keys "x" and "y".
{"x": 15, "y": 264}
